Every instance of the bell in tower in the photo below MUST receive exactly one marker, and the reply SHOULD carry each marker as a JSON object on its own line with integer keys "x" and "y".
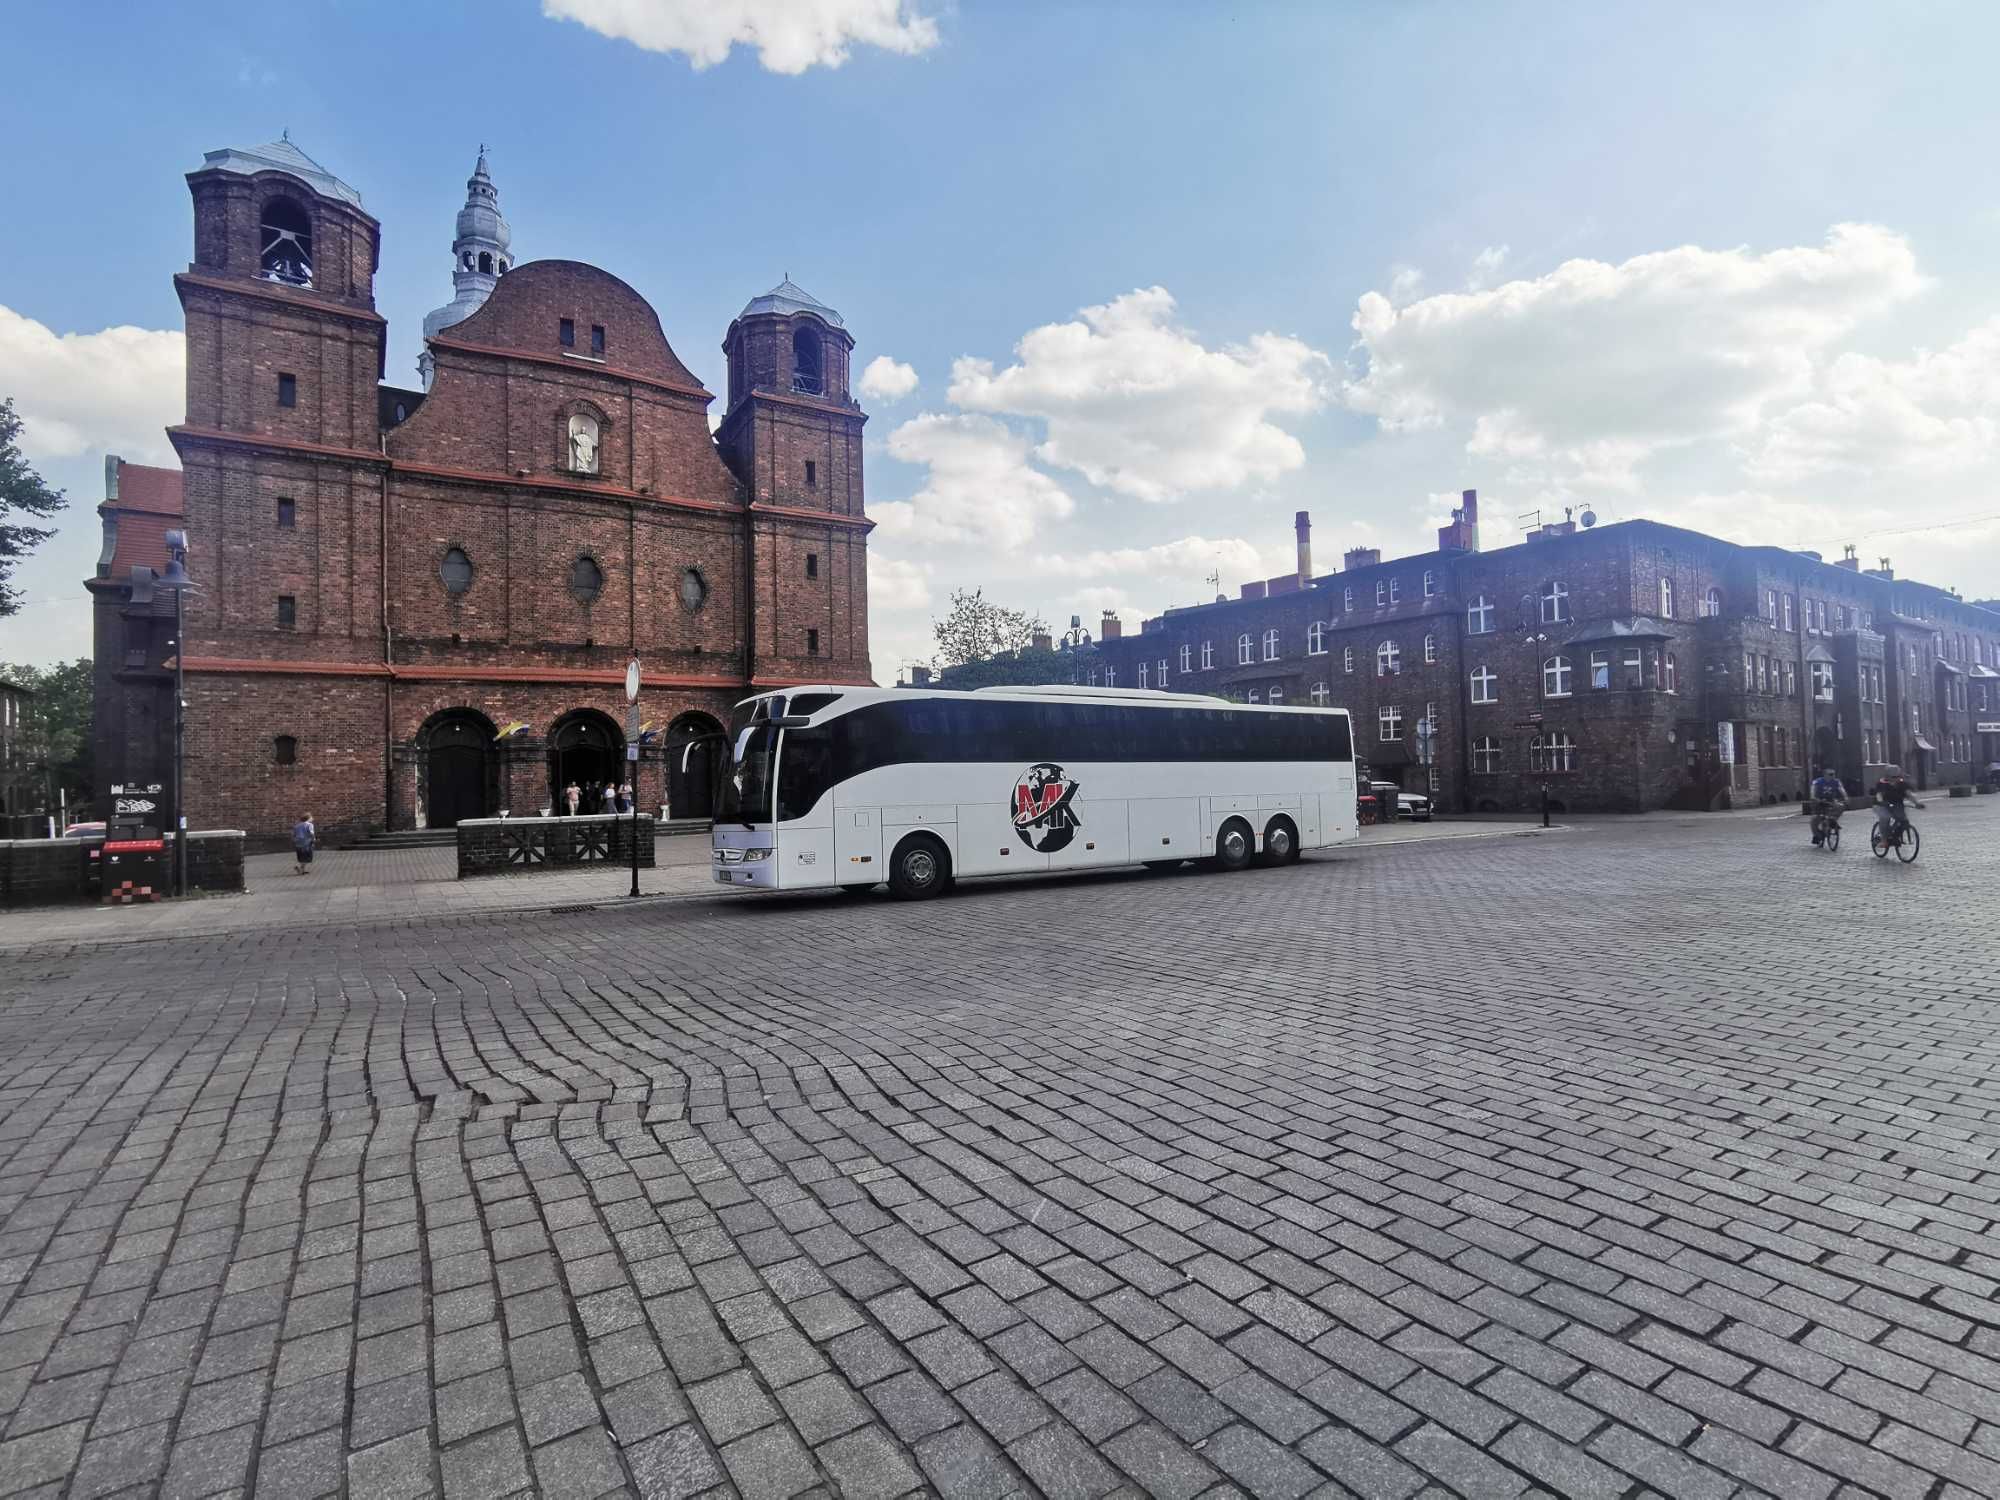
{"x": 481, "y": 253}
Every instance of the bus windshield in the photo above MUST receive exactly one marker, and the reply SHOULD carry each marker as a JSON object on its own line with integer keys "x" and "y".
{"x": 743, "y": 792}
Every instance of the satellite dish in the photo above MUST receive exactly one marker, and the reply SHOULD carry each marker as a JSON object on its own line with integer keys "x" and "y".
{"x": 1589, "y": 519}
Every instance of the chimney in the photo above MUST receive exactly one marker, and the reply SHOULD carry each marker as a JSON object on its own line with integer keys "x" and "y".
{"x": 1041, "y": 640}
{"x": 1462, "y": 535}
{"x": 1303, "y": 525}
{"x": 1886, "y": 573}
{"x": 1850, "y": 561}
{"x": 1254, "y": 590}
{"x": 112, "y": 464}
{"x": 1361, "y": 557}
{"x": 1108, "y": 628}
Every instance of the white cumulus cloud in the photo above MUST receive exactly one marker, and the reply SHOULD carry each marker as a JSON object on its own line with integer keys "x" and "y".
{"x": 1580, "y": 375}
{"x": 1138, "y": 405}
{"x": 894, "y": 583}
{"x": 1172, "y": 564}
{"x": 113, "y": 391}
{"x": 982, "y": 488}
{"x": 789, "y": 36}
{"x": 887, "y": 380}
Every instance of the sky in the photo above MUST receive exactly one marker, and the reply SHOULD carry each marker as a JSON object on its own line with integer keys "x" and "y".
{"x": 1131, "y": 283}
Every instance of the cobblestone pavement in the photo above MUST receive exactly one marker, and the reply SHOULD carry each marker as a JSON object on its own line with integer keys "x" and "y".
{"x": 1651, "y": 1158}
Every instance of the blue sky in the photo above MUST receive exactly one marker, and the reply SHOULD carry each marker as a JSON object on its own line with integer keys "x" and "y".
{"x": 1349, "y": 259}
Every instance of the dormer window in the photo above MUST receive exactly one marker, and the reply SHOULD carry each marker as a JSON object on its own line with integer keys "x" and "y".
{"x": 286, "y": 237}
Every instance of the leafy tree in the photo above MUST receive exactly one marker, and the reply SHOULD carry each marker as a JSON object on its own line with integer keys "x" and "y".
{"x": 1033, "y": 666}
{"x": 57, "y": 726}
{"x": 975, "y": 629}
{"x": 22, "y": 490}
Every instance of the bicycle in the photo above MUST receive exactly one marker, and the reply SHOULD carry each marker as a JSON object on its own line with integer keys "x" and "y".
{"x": 1903, "y": 838}
{"x": 1826, "y": 830}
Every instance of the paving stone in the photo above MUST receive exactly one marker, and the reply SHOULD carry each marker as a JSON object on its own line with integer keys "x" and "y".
{"x": 868, "y": 1465}
{"x": 768, "y": 1465}
{"x": 491, "y": 1464}
{"x": 676, "y": 1462}
{"x": 581, "y": 1466}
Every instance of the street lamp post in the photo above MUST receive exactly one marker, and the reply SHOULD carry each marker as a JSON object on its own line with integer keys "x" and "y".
{"x": 176, "y": 578}
{"x": 632, "y": 757}
{"x": 1542, "y": 642}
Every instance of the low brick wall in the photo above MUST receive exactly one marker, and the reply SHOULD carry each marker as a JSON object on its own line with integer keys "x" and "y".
{"x": 521, "y": 846}
{"x": 59, "y": 872}
{"x": 215, "y": 860}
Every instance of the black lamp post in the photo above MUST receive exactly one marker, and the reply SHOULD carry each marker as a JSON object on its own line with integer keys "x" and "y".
{"x": 1542, "y": 642}
{"x": 176, "y": 578}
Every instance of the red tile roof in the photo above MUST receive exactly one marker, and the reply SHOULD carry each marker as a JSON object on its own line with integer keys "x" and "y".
{"x": 143, "y": 488}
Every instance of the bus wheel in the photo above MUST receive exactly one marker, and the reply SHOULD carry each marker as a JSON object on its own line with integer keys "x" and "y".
{"x": 919, "y": 869}
{"x": 1281, "y": 842}
{"x": 1232, "y": 845}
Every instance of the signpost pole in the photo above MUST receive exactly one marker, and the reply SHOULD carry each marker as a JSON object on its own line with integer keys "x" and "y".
{"x": 632, "y": 758}
{"x": 180, "y": 744}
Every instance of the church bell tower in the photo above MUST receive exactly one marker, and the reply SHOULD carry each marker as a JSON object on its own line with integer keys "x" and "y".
{"x": 481, "y": 253}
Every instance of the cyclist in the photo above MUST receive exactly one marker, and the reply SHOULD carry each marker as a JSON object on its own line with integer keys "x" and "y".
{"x": 1829, "y": 798}
{"x": 1892, "y": 794}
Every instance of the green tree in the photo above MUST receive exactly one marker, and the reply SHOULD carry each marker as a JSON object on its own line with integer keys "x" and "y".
{"x": 22, "y": 492}
{"x": 976, "y": 629}
{"x": 57, "y": 726}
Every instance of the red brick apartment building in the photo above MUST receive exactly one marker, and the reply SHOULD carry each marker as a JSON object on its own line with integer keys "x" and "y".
{"x": 1627, "y": 667}
{"x": 413, "y": 606}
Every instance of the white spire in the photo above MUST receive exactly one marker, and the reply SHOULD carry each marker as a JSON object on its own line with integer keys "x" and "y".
{"x": 481, "y": 254}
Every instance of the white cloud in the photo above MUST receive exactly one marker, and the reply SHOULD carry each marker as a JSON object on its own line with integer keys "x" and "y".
{"x": 1171, "y": 563}
{"x": 981, "y": 489}
{"x": 113, "y": 391}
{"x": 887, "y": 380}
{"x": 1578, "y": 376}
{"x": 895, "y": 584}
{"x": 1135, "y": 403}
{"x": 790, "y": 35}
{"x": 1932, "y": 414}
{"x": 1485, "y": 266}
{"x": 1404, "y": 283}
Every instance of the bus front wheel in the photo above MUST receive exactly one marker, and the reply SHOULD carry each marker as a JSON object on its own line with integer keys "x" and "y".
{"x": 1234, "y": 845}
{"x": 920, "y": 868}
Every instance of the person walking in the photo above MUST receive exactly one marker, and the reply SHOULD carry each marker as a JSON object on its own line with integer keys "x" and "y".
{"x": 305, "y": 839}
{"x": 624, "y": 796}
{"x": 610, "y": 798}
{"x": 572, "y": 794}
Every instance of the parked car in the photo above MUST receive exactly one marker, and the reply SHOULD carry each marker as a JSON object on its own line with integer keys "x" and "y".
{"x": 1412, "y": 805}
{"x": 84, "y": 831}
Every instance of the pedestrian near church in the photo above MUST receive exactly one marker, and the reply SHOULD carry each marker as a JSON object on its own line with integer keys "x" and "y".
{"x": 305, "y": 839}
{"x": 572, "y": 794}
{"x": 624, "y": 796}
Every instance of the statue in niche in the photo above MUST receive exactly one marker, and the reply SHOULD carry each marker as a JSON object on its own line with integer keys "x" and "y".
{"x": 583, "y": 444}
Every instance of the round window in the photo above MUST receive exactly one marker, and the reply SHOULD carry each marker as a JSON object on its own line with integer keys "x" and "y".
{"x": 694, "y": 588}
{"x": 456, "y": 571}
{"x": 586, "y": 579}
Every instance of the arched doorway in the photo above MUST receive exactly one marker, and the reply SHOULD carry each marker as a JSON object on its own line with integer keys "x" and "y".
{"x": 585, "y": 747}
{"x": 689, "y": 792}
{"x": 459, "y": 770}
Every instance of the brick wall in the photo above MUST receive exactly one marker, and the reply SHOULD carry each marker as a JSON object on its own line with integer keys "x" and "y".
{"x": 493, "y": 846}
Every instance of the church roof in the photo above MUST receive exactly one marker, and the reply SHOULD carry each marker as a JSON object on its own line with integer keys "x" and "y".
{"x": 280, "y": 156}
{"x": 788, "y": 297}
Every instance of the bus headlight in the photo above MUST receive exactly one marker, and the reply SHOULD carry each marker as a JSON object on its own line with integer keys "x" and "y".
{"x": 750, "y": 856}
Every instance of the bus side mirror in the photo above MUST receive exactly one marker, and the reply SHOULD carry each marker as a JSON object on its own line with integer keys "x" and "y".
{"x": 790, "y": 721}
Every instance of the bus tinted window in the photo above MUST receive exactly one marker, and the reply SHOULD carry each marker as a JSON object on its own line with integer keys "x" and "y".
{"x": 805, "y": 771}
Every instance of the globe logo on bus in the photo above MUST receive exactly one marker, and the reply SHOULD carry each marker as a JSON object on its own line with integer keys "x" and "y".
{"x": 1042, "y": 811}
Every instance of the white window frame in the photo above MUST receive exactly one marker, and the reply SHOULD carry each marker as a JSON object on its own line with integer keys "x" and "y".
{"x": 1635, "y": 667}
{"x": 1711, "y": 604}
{"x": 1271, "y": 644}
{"x": 1254, "y": 696}
{"x": 1321, "y": 694}
{"x": 1673, "y": 672}
{"x": 1486, "y": 756}
{"x": 1187, "y": 660}
{"x": 1142, "y": 675}
{"x": 1347, "y": 659}
{"x": 1430, "y": 582}
{"x": 1208, "y": 656}
{"x": 1381, "y": 592}
{"x": 1479, "y": 616}
{"x": 1395, "y": 590}
{"x": 1485, "y": 684}
{"x": 1163, "y": 672}
{"x": 1316, "y": 638}
{"x": 1556, "y": 675}
{"x": 1555, "y": 602}
{"x": 1600, "y": 671}
{"x": 1347, "y": 599}
{"x": 1552, "y": 753}
{"x": 1788, "y": 611}
{"x": 1388, "y": 659}
{"x": 1111, "y": 677}
{"x": 1246, "y": 651}
{"x": 1275, "y": 695}
{"x": 1430, "y": 649}
{"x": 1666, "y": 597}
{"x": 1389, "y": 723}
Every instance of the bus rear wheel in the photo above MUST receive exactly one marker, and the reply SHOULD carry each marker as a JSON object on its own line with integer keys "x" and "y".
{"x": 1281, "y": 842}
{"x": 919, "y": 869}
{"x": 1234, "y": 845}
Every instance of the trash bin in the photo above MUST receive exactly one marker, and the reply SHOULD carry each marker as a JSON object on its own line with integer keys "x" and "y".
{"x": 133, "y": 867}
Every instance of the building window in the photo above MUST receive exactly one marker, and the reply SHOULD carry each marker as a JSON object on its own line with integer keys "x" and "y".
{"x": 694, "y": 589}
{"x": 1430, "y": 583}
{"x": 1666, "y": 598}
{"x": 1208, "y": 656}
{"x": 1347, "y": 600}
{"x": 1142, "y": 675}
{"x": 812, "y": 474}
{"x": 288, "y": 612}
{"x": 1763, "y": 674}
{"x": 288, "y": 390}
{"x": 1347, "y": 659}
{"x": 285, "y": 750}
{"x": 1163, "y": 672}
{"x": 1395, "y": 590}
{"x": 1254, "y": 697}
{"x": 812, "y": 565}
{"x": 808, "y": 372}
{"x": 1486, "y": 756}
{"x": 1788, "y": 611}
{"x": 1551, "y": 752}
{"x": 1316, "y": 639}
{"x": 1321, "y": 693}
{"x": 1485, "y": 685}
{"x": 1245, "y": 652}
{"x": 1187, "y": 660}
{"x": 1791, "y": 681}
{"x": 1555, "y": 677}
{"x": 1673, "y": 673}
{"x": 1635, "y": 667}
{"x": 1771, "y": 606}
{"x": 1276, "y": 695}
{"x": 812, "y": 646}
{"x": 1381, "y": 592}
{"x": 1111, "y": 677}
{"x": 1388, "y": 659}
{"x": 1430, "y": 648}
{"x": 1479, "y": 616}
{"x": 1270, "y": 645}
{"x": 455, "y": 571}
{"x": 286, "y": 236}
{"x": 1390, "y": 723}
{"x": 1555, "y": 602}
{"x": 586, "y": 579}
{"x": 566, "y": 333}
{"x": 585, "y": 448}
{"x": 596, "y": 338}
{"x": 288, "y": 513}
{"x": 1711, "y": 606}
{"x": 1600, "y": 669}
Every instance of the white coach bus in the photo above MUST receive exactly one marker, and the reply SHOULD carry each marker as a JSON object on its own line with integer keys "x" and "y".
{"x": 835, "y": 786}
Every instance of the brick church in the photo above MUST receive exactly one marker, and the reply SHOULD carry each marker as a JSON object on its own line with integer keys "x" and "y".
{"x": 414, "y": 606}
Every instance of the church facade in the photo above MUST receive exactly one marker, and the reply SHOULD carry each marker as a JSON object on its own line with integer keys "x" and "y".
{"x": 414, "y": 606}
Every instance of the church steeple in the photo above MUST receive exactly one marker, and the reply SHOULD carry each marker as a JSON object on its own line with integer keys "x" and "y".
{"x": 481, "y": 254}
